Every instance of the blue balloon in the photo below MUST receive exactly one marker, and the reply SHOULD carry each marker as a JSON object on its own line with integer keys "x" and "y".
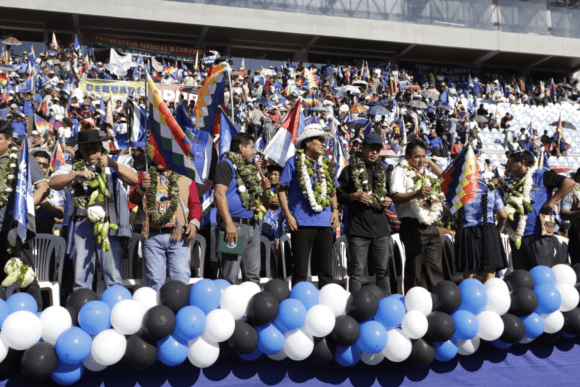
{"x": 501, "y": 344}
{"x": 171, "y": 352}
{"x": 4, "y": 311}
{"x": 466, "y": 325}
{"x": 22, "y": 301}
{"x": 445, "y": 351}
{"x": 221, "y": 284}
{"x": 372, "y": 337}
{"x": 534, "y": 324}
{"x": 473, "y": 297}
{"x": 390, "y": 312}
{"x": 471, "y": 282}
{"x": 543, "y": 275}
{"x": 291, "y": 315}
{"x": 95, "y": 317}
{"x": 270, "y": 340}
{"x": 549, "y": 299}
{"x": 115, "y": 294}
{"x": 206, "y": 295}
{"x": 347, "y": 356}
{"x": 73, "y": 345}
{"x": 67, "y": 374}
{"x": 254, "y": 355}
{"x": 189, "y": 324}
{"x": 306, "y": 293}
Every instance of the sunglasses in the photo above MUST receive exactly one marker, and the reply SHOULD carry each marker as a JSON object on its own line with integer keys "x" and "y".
{"x": 44, "y": 165}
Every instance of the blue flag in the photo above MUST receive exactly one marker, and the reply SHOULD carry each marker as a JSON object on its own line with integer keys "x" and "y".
{"x": 470, "y": 81}
{"x": 259, "y": 145}
{"x": 77, "y": 45}
{"x": 25, "y": 86}
{"x": 227, "y": 132}
{"x": 201, "y": 150}
{"x": 182, "y": 118}
{"x": 136, "y": 124}
{"x": 368, "y": 128}
{"x": 24, "y": 201}
{"x": 445, "y": 97}
{"x": 530, "y": 130}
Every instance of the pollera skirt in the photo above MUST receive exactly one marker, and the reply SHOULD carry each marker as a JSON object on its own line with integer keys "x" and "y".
{"x": 470, "y": 253}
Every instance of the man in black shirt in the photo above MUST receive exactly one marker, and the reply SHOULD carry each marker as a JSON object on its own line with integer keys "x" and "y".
{"x": 363, "y": 188}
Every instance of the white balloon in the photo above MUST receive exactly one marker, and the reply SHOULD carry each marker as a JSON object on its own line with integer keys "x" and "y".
{"x": 398, "y": 347}
{"x": 235, "y": 300}
{"x": 55, "y": 320}
{"x": 372, "y": 358}
{"x": 419, "y": 298}
{"x": 219, "y": 326}
{"x": 498, "y": 300}
{"x": 147, "y": 297}
{"x": 298, "y": 345}
{"x": 251, "y": 287}
{"x": 3, "y": 350}
{"x": 468, "y": 347}
{"x": 127, "y": 316}
{"x": 564, "y": 274}
{"x": 570, "y": 296}
{"x": 490, "y": 325}
{"x": 108, "y": 347}
{"x": 92, "y": 365}
{"x": 320, "y": 321}
{"x": 526, "y": 340}
{"x": 554, "y": 322}
{"x": 496, "y": 283}
{"x": 334, "y": 296}
{"x": 21, "y": 330}
{"x": 278, "y": 356}
{"x": 201, "y": 353}
{"x": 414, "y": 324}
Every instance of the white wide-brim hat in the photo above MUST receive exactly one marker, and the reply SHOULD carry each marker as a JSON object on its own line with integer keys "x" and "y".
{"x": 312, "y": 130}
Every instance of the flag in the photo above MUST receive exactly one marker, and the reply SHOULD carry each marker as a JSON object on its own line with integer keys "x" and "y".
{"x": 460, "y": 180}
{"x": 308, "y": 80}
{"x": 552, "y": 89}
{"x": 559, "y": 129}
{"x": 227, "y": 132}
{"x": 339, "y": 155}
{"x": 156, "y": 65}
{"x": 444, "y": 97}
{"x": 211, "y": 59}
{"x": 196, "y": 60}
{"x": 210, "y": 97}
{"x": 77, "y": 45}
{"x": 54, "y": 42}
{"x": 470, "y": 81}
{"x": 243, "y": 65}
{"x": 4, "y": 97}
{"x": 24, "y": 86}
{"x": 24, "y": 201}
{"x": 169, "y": 71}
{"x": 201, "y": 151}
{"x": 5, "y": 56}
{"x": 168, "y": 145}
{"x": 259, "y": 145}
{"x": 3, "y": 80}
{"x": 136, "y": 123}
{"x": 310, "y": 99}
{"x": 368, "y": 128}
{"x": 281, "y": 146}
{"x": 109, "y": 111}
{"x": 530, "y": 130}
{"x": 57, "y": 158}
{"x": 41, "y": 125}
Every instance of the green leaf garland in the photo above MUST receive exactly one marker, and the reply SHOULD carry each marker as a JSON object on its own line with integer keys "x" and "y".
{"x": 361, "y": 180}
{"x": 322, "y": 199}
{"x": 173, "y": 196}
{"x": 249, "y": 185}
{"x": 8, "y": 172}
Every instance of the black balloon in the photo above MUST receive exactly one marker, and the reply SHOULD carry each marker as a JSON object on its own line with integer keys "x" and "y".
{"x": 514, "y": 329}
{"x": 278, "y": 289}
{"x": 39, "y": 361}
{"x": 79, "y": 298}
{"x": 321, "y": 352}
{"x": 572, "y": 321}
{"x": 12, "y": 361}
{"x": 576, "y": 268}
{"x": 379, "y": 294}
{"x": 140, "y": 353}
{"x": 577, "y": 286}
{"x": 446, "y": 297}
{"x": 549, "y": 337}
{"x": 158, "y": 322}
{"x": 364, "y": 305}
{"x": 74, "y": 315}
{"x": 441, "y": 327}
{"x": 262, "y": 309}
{"x": 422, "y": 353}
{"x": 244, "y": 339}
{"x": 346, "y": 331}
{"x": 520, "y": 279}
{"x": 523, "y": 302}
{"x": 174, "y": 295}
{"x": 3, "y": 294}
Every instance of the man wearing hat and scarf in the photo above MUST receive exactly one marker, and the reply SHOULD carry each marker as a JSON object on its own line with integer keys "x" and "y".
{"x": 92, "y": 171}
{"x": 363, "y": 189}
{"x": 308, "y": 198}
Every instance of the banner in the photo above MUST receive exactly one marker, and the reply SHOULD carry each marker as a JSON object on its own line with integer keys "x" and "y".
{"x": 145, "y": 48}
{"x": 122, "y": 89}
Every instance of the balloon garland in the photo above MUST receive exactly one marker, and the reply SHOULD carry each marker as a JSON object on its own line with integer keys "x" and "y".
{"x": 326, "y": 324}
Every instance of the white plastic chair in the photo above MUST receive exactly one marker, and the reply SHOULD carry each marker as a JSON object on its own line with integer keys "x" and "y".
{"x": 43, "y": 246}
{"x": 396, "y": 239}
{"x": 200, "y": 244}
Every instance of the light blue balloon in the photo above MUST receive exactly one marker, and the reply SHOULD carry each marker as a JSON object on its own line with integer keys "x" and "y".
{"x": 4, "y": 311}
{"x": 291, "y": 315}
{"x": 543, "y": 275}
{"x": 67, "y": 374}
{"x": 473, "y": 297}
{"x": 73, "y": 345}
{"x": 171, "y": 352}
{"x": 222, "y": 284}
{"x": 22, "y": 301}
{"x": 95, "y": 317}
{"x": 444, "y": 351}
{"x": 372, "y": 338}
{"x": 471, "y": 282}
{"x": 189, "y": 324}
{"x": 306, "y": 293}
{"x": 390, "y": 312}
{"x": 115, "y": 294}
{"x": 270, "y": 340}
{"x": 466, "y": 325}
{"x": 347, "y": 356}
{"x": 206, "y": 295}
{"x": 549, "y": 299}
{"x": 534, "y": 324}
{"x": 254, "y": 355}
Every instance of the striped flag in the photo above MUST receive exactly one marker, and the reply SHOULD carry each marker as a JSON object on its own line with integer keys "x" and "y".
{"x": 54, "y": 42}
{"x": 308, "y": 80}
{"x": 559, "y": 129}
{"x": 57, "y": 158}
{"x": 310, "y": 99}
{"x": 339, "y": 155}
{"x": 3, "y": 80}
{"x": 23, "y": 211}
{"x": 281, "y": 146}
{"x": 41, "y": 125}
{"x": 210, "y": 96}
{"x": 460, "y": 179}
{"x": 168, "y": 146}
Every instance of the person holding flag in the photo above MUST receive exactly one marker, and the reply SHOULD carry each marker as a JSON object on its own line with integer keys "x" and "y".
{"x": 51, "y": 209}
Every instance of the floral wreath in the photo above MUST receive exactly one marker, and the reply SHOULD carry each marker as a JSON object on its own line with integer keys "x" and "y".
{"x": 325, "y": 173}
{"x": 427, "y": 210}
{"x": 173, "y": 190}
{"x": 249, "y": 185}
{"x": 518, "y": 201}
{"x": 8, "y": 173}
{"x": 359, "y": 172}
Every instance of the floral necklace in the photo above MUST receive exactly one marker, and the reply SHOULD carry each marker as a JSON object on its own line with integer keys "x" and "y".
{"x": 173, "y": 191}
{"x": 519, "y": 202}
{"x": 87, "y": 191}
{"x": 8, "y": 174}
{"x": 359, "y": 172}
{"x": 427, "y": 210}
{"x": 325, "y": 173}
{"x": 249, "y": 185}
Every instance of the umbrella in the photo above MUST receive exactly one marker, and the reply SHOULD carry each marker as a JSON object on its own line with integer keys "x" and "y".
{"x": 565, "y": 125}
{"x": 417, "y": 104}
{"x": 378, "y": 111}
{"x": 430, "y": 94}
{"x": 560, "y": 169}
{"x": 412, "y": 87}
{"x": 12, "y": 41}
{"x": 358, "y": 123}
{"x": 441, "y": 105}
{"x": 359, "y": 82}
{"x": 319, "y": 109}
{"x": 566, "y": 86}
{"x": 480, "y": 119}
{"x": 358, "y": 109}
{"x": 488, "y": 101}
{"x": 373, "y": 103}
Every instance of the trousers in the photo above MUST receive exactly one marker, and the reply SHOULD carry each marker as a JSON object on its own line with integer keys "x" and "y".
{"x": 315, "y": 243}
{"x": 158, "y": 250}
{"x": 248, "y": 262}
{"x": 362, "y": 251}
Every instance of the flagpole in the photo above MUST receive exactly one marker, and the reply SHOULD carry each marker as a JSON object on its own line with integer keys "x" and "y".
{"x": 231, "y": 91}
{"x": 147, "y": 118}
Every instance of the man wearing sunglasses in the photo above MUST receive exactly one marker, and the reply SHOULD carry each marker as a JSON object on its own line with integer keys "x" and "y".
{"x": 51, "y": 209}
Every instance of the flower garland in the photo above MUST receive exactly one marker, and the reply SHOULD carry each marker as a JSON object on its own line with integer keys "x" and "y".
{"x": 249, "y": 185}
{"x": 8, "y": 173}
{"x": 325, "y": 173}
{"x": 173, "y": 196}
{"x": 519, "y": 202}
{"x": 359, "y": 171}
{"x": 427, "y": 210}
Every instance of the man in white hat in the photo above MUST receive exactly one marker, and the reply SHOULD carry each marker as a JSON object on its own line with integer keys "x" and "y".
{"x": 308, "y": 198}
